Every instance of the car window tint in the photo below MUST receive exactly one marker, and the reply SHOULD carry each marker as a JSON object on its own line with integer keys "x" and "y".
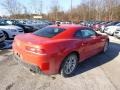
{"x": 88, "y": 33}
{"x": 78, "y": 34}
{"x": 48, "y": 32}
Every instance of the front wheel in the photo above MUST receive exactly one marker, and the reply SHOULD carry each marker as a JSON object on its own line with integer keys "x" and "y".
{"x": 69, "y": 65}
{"x": 6, "y": 35}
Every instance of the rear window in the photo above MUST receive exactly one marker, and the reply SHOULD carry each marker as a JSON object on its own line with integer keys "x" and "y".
{"x": 48, "y": 32}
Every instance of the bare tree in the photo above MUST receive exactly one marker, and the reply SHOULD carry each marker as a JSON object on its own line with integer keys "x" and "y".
{"x": 87, "y": 10}
{"x": 54, "y": 10}
{"x": 37, "y": 6}
{"x": 12, "y": 6}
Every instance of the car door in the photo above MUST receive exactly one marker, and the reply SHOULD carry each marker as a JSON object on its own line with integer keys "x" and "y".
{"x": 90, "y": 42}
{"x": 79, "y": 44}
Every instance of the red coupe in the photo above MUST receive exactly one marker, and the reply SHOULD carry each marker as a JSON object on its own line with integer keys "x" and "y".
{"x": 58, "y": 48}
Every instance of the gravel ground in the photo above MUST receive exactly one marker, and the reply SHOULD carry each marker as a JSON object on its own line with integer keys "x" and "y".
{"x": 100, "y": 72}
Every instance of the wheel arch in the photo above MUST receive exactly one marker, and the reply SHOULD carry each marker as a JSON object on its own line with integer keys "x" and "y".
{"x": 5, "y": 32}
{"x": 73, "y": 52}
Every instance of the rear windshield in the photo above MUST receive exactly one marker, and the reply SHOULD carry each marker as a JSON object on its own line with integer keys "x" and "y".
{"x": 48, "y": 32}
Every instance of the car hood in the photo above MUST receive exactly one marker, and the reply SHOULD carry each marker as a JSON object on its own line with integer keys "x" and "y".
{"x": 10, "y": 27}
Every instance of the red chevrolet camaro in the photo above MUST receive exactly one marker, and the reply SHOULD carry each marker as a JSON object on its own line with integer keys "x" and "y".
{"x": 58, "y": 48}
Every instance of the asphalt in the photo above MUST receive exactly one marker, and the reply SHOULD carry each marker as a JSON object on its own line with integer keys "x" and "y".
{"x": 100, "y": 72}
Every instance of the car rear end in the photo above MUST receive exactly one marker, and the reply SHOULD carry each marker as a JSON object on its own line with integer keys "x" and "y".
{"x": 30, "y": 53}
{"x": 38, "y": 49}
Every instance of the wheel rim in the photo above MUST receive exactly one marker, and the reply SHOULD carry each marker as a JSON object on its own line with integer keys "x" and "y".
{"x": 70, "y": 64}
{"x": 5, "y": 36}
{"x": 106, "y": 47}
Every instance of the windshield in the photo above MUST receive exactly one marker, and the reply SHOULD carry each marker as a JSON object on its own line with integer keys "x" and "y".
{"x": 48, "y": 32}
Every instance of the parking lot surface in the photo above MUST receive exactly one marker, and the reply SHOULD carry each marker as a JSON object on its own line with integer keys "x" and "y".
{"x": 100, "y": 72}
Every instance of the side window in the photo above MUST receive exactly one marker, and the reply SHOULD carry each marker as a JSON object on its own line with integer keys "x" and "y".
{"x": 88, "y": 33}
{"x": 78, "y": 34}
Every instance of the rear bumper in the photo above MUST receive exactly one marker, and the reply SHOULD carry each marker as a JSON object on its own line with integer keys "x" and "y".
{"x": 30, "y": 67}
{"x": 46, "y": 64}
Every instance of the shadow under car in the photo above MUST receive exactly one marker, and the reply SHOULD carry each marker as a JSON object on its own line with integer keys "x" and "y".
{"x": 98, "y": 60}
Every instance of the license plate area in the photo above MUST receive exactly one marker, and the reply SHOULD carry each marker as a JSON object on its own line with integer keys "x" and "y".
{"x": 30, "y": 67}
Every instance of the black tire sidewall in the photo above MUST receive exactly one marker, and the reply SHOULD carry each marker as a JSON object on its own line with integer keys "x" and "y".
{"x": 62, "y": 67}
{"x": 6, "y": 35}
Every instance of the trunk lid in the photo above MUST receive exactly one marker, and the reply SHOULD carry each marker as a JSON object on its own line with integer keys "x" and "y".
{"x": 29, "y": 40}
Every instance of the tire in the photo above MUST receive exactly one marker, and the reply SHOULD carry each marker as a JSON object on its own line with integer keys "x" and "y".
{"x": 69, "y": 65}
{"x": 6, "y": 35}
{"x": 106, "y": 46}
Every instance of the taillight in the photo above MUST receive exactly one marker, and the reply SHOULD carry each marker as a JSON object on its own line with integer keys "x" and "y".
{"x": 36, "y": 50}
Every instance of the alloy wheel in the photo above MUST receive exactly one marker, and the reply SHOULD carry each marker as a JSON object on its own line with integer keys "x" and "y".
{"x": 70, "y": 64}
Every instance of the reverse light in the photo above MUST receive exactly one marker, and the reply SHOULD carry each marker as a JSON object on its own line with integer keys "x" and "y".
{"x": 36, "y": 50}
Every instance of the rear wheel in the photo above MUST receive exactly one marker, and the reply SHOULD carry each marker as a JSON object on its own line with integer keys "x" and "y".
{"x": 69, "y": 65}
